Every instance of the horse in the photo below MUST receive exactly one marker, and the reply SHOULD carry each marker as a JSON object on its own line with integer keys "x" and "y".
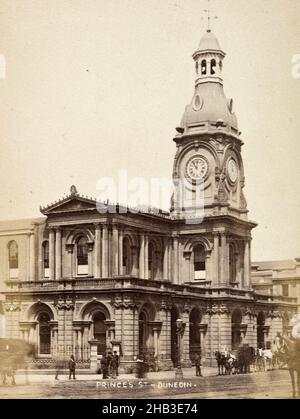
{"x": 292, "y": 358}
{"x": 225, "y": 361}
{"x": 221, "y": 359}
{"x": 14, "y": 354}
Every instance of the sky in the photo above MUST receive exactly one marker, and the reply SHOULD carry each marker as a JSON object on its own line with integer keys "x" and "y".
{"x": 94, "y": 86}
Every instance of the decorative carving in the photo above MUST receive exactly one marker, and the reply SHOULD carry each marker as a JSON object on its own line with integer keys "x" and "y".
{"x": 243, "y": 203}
{"x": 165, "y": 305}
{"x": 73, "y": 190}
{"x": 217, "y": 309}
{"x": 124, "y": 301}
{"x": 12, "y": 306}
{"x": 187, "y": 307}
{"x": 65, "y": 304}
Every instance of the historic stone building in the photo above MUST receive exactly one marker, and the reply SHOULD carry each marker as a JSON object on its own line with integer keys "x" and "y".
{"x": 83, "y": 281}
{"x": 277, "y": 278}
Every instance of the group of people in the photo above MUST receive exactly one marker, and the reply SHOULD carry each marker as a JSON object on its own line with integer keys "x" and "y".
{"x": 110, "y": 365}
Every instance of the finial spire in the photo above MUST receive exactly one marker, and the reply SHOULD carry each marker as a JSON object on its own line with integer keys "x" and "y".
{"x": 208, "y": 11}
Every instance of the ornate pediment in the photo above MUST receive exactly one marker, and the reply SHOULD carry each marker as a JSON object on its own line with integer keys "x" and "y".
{"x": 71, "y": 203}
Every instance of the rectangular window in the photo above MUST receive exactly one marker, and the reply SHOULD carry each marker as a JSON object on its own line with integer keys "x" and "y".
{"x": 285, "y": 290}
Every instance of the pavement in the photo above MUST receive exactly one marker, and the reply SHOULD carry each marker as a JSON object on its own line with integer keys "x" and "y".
{"x": 161, "y": 385}
{"x": 48, "y": 376}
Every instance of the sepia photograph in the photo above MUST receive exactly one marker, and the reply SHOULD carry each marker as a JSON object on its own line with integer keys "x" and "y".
{"x": 149, "y": 210}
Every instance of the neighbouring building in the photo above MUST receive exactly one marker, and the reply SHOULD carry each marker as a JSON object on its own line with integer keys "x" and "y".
{"x": 277, "y": 278}
{"x": 147, "y": 283}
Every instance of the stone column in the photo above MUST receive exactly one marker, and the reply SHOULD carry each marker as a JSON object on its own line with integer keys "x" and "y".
{"x": 208, "y": 265}
{"x": 134, "y": 253}
{"x": 97, "y": 262}
{"x": 120, "y": 252}
{"x": 69, "y": 248}
{"x": 142, "y": 256}
{"x": 155, "y": 340}
{"x": 224, "y": 261}
{"x": 165, "y": 260}
{"x": 90, "y": 259}
{"x": 175, "y": 259}
{"x": 32, "y": 257}
{"x": 58, "y": 253}
{"x": 247, "y": 265}
{"x": 185, "y": 342}
{"x": 104, "y": 251}
{"x": 115, "y": 247}
{"x": 216, "y": 270}
{"x": 51, "y": 255}
{"x": 146, "y": 258}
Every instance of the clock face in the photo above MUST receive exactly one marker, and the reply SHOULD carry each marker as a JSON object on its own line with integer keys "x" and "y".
{"x": 197, "y": 168}
{"x": 232, "y": 170}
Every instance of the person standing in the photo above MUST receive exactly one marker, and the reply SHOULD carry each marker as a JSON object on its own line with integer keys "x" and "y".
{"x": 115, "y": 365}
{"x": 198, "y": 365}
{"x": 72, "y": 367}
{"x": 104, "y": 367}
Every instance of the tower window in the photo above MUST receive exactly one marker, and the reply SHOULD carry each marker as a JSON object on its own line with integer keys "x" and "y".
{"x": 203, "y": 67}
{"x": 82, "y": 256}
{"x": 13, "y": 260}
{"x": 213, "y": 65}
{"x": 199, "y": 263}
{"x": 46, "y": 259}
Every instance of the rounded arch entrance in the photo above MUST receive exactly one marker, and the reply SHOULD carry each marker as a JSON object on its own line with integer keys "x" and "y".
{"x": 146, "y": 316}
{"x": 195, "y": 336}
{"x": 236, "y": 322}
{"x": 43, "y": 318}
{"x": 98, "y": 316}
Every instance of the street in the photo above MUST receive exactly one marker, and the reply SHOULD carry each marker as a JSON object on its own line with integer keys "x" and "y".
{"x": 263, "y": 385}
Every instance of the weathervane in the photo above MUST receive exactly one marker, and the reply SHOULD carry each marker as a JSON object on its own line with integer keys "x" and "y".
{"x": 208, "y": 11}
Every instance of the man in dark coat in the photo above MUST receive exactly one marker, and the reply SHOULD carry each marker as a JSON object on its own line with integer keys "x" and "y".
{"x": 104, "y": 367}
{"x": 198, "y": 365}
{"x": 72, "y": 367}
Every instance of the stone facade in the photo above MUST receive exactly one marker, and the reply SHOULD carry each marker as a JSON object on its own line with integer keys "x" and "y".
{"x": 147, "y": 283}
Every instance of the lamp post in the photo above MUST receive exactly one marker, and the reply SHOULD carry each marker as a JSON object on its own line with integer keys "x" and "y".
{"x": 179, "y": 325}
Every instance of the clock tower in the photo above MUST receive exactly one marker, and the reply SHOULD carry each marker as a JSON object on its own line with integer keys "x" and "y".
{"x": 208, "y": 161}
{"x": 208, "y": 175}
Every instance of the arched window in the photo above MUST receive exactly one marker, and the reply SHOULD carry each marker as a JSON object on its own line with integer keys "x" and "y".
{"x": 199, "y": 263}
{"x": 213, "y": 66}
{"x": 44, "y": 334}
{"x": 151, "y": 261}
{"x": 46, "y": 259}
{"x": 82, "y": 256}
{"x": 197, "y": 67}
{"x": 126, "y": 257}
{"x": 232, "y": 263}
{"x": 100, "y": 332}
{"x": 13, "y": 260}
{"x": 203, "y": 67}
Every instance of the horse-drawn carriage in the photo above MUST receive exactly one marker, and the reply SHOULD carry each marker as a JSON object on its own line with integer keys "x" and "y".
{"x": 14, "y": 355}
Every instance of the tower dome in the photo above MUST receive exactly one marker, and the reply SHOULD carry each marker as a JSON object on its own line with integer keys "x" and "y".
{"x": 209, "y": 110}
{"x": 209, "y": 41}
